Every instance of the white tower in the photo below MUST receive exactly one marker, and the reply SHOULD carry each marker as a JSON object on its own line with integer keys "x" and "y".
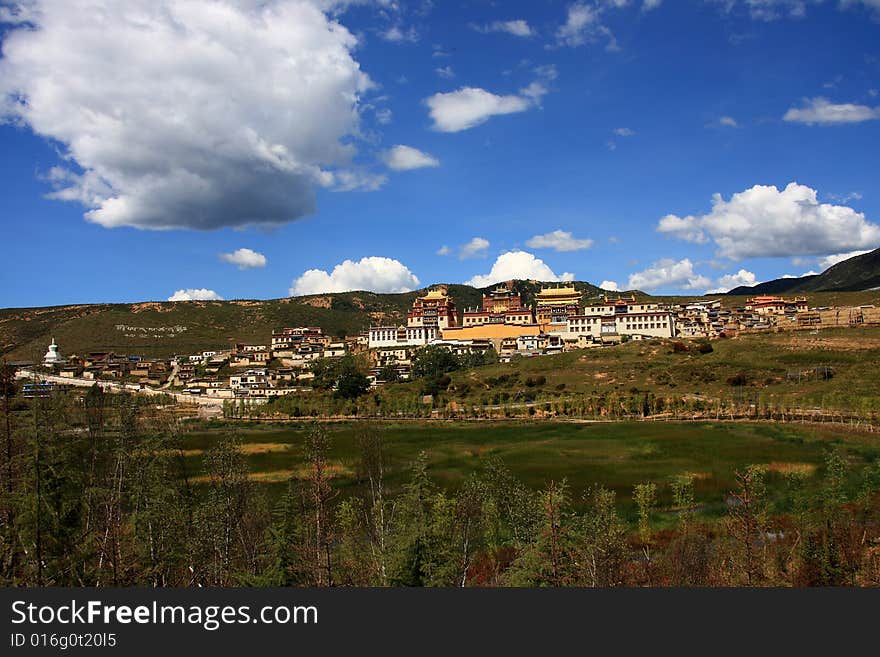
{"x": 51, "y": 356}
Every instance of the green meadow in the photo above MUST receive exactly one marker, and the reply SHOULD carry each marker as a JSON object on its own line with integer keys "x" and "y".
{"x": 616, "y": 455}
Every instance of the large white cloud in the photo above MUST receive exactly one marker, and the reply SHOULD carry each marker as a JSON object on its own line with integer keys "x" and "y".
{"x": 195, "y": 294}
{"x": 821, "y": 111}
{"x": 470, "y": 106}
{"x": 559, "y": 240}
{"x": 372, "y": 274}
{"x": 518, "y": 265}
{"x": 244, "y": 259}
{"x": 611, "y": 286}
{"x": 669, "y": 274}
{"x": 765, "y": 222}
{"x": 729, "y": 281}
{"x": 406, "y": 158}
{"x": 186, "y": 114}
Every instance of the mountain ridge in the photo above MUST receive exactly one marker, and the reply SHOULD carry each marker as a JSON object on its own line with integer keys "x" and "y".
{"x": 856, "y": 274}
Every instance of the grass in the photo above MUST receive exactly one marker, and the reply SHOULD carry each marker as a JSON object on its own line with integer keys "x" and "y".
{"x": 616, "y": 455}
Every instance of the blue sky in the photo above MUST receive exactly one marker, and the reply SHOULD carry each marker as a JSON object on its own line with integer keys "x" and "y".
{"x": 141, "y": 143}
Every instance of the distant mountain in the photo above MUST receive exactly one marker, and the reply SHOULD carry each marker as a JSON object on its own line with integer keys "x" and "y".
{"x": 162, "y": 328}
{"x": 777, "y": 286}
{"x": 855, "y": 274}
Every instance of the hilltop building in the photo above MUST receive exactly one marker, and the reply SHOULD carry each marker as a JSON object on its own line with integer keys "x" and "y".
{"x": 500, "y": 306}
{"x": 769, "y": 305}
{"x": 554, "y": 305}
{"x": 429, "y": 315}
{"x": 612, "y": 319}
{"x": 434, "y": 311}
{"x": 291, "y": 338}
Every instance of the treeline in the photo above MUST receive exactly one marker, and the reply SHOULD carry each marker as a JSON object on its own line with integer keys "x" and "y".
{"x": 533, "y": 399}
{"x": 101, "y": 493}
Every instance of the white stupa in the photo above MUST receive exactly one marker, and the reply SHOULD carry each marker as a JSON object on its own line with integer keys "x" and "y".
{"x": 52, "y": 356}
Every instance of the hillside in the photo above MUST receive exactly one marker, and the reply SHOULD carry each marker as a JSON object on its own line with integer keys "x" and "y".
{"x": 167, "y": 328}
{"x": 858, "y": 273}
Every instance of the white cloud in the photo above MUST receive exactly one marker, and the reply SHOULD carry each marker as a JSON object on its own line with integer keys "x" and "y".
{"x": 407, "y": 158}
{"x": 244, "y": 259}
{"x": 535, "y": 91}
{"x": 765, "y": 222}
{"x": 197, "y": 114}
{"x": 470, "y": 106}
{"x": 445, "y": 72}
{"x": 195, "y": 294}
{"x": 669, "y": 274}
{"x": 373, "y": 274}
{"x": 770, "y": 10}
{"x": 831, "y": 260}
{"x": 611, "y": 286}
{"x": 580, "y": 25}
{"x": 729, "y": 281}
{"x": 821, "y": 111}
{"x": 476, "y": 247}
{"x": 845, "y": 198}
{"x": 624, "y": 132}
{"x": 559, "y": 240}
{"x": 519, "y": 28}
{"x": 728, "y": 121}
{"x": 398, "y": 34}
{"x": 547, "y": 71}
{"x": 518, "y": 265}
{"x": 384, "y": 115}
{"x": 357, "y": 180}
{"x": 444, "y": 251}
{"x": 583, "y": 25}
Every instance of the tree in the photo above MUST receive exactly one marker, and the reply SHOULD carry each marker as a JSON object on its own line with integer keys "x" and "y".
{"x": 747, "y": 521}
{"x": 317, "y": 494}
{"x": 645, "y": 496}
{"x": 603, "y": 549}
{"x": 341, "y": 375}
{"x": 389, "y": 374}
{"x": 412, "y": 524}
{"x": 231, "y": 520}
{"x": 351, "y": 384}
{"x": 433, "y": 362}
{"x": 550, "y": 558}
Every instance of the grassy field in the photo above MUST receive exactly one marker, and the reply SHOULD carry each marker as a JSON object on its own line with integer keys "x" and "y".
{"x": 617, "y": 455}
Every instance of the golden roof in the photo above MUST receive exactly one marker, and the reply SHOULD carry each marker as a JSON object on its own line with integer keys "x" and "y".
{"x": 549, "y": 292}
{"x": 438, "y": 293}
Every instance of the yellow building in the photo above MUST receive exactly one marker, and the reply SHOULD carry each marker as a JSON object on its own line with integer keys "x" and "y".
{"x": 554, "y": 305}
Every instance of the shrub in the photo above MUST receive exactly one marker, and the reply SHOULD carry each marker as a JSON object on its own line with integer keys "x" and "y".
{"x": 705, "y": 347}
{"x": 680, "y": 348}
{"x": 738, "y": 380}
